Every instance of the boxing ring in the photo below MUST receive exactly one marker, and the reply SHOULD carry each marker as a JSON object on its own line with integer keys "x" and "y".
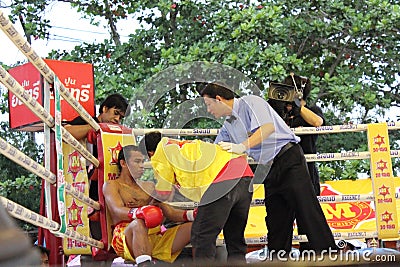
{"x": 66, "y": 181}
{"x": 351, "y": 200}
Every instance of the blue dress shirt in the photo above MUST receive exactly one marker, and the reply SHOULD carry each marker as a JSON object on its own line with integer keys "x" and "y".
{"x": 248, "y": 114}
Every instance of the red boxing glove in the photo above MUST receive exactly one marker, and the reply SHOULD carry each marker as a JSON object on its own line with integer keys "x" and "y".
{"x": 189, "y": 215}
{"x": 92, "y": 136}
{"x": 151, "y": 215}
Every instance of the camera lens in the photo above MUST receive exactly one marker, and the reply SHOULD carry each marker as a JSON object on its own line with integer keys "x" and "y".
{"x": 281, "y": 95}
{"x": 281, "y": 92}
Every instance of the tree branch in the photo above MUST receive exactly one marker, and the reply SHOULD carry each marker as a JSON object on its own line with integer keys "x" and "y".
{"x": 338, "y": 59}
{"x": 27, "y": 35}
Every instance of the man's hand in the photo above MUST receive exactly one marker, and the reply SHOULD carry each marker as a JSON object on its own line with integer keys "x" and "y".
{"x": 92, "y": 133}
{"x": 189, "y": 215}
{"x": 92, "y": 136}
{"x": 151, "y": 215}
{"x": 232, "y": 148}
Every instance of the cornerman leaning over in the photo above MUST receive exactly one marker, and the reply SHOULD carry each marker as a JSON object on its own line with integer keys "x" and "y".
{"x": 137, "y": 234}
{"x": 205, "y": 173}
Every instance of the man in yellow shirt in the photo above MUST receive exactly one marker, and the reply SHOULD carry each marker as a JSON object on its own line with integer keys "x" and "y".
{"x": 218, "y": 180}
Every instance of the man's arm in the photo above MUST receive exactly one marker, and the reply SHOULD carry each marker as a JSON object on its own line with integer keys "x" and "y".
{"x": 78, "y": 131}
{"x": 259, "y": 135}
{"x": 177, "y": 215}
{"x": 255, "y": 139}
{"x": 114, "y": 203}
{"x": 309, "y": 116}
{"x": 173, "y": 214}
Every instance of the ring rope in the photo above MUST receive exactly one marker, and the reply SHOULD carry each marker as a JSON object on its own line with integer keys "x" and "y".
{"x": 340, "y": 128}
{"x": 45, "y": 116}
{"x": 27, "y": 215}
{"x": 68, "y": 138}
{"x": 322, "y": 199}
{"x": 187, "y": 132}
{"x": 23, "y": 45}
{"x": 20, "y": 158}
{"x": 299, "y": 131}
{"x": 17, "y": 156}
{"x": 345, "y": 155}
{"x": 350, "y": 155}
{"x": 81, "y": 196}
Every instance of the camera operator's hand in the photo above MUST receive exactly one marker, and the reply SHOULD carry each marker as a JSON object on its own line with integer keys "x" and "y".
{"x": 296, "y": 111}
{"x": 232, "y": 148}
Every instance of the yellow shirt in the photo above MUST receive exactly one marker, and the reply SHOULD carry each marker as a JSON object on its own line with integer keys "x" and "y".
{"x": 192, "y": 165}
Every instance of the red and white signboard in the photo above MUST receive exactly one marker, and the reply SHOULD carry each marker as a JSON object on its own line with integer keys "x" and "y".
{"x": 76, "y": 77}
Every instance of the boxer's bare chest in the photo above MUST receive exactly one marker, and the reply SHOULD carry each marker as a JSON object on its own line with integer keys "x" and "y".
{"x": 133, "y": 196}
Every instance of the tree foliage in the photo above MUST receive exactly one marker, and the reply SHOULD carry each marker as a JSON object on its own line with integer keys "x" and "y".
{"x": 349, "y": 50}
{"x": 17, "y": 183}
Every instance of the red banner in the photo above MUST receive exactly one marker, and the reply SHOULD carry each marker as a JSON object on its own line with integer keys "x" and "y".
{"x": 76, "y": 77}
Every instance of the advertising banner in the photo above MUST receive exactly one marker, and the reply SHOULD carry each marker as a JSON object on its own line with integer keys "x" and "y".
{"x": 352, "y": 217}
{"x": 382, "y": 181}
{"x": 76, "y": 212}
{"x": 76, "y": 77}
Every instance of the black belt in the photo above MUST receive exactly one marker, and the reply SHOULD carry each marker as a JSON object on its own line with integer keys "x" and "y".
{"x": 284, "y": 149}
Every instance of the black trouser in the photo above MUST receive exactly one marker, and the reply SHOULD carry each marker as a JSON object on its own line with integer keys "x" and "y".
{"x": 289, "y": 194}
{"x": 228, "y": 213}
{"x": 313, "y": 170}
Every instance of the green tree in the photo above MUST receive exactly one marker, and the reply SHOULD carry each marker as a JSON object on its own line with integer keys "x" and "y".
{"x": 17, "y": 183}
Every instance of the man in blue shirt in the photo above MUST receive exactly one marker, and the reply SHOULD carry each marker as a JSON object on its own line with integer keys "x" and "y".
{"x": 253, "y": 127}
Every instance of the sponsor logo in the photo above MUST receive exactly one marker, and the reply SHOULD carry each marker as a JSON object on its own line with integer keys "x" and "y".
{"x": 325, "y": 155}
{"x": 326, "y": 198}
{"x": 201, "y": 131}
{"x": 350, "y": 197}
{"x": 74, "y": 164}
{"x": 75, "y": 215}
{"x": 350, "y": 154}
{"x": 346, "y": 215}
{"x": 348, "y": 126}
{"x": 114, "y": 153}
{"x": 324, "y": 128}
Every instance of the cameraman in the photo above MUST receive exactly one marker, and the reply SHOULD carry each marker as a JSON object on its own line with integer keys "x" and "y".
{"x": 304, "y": 116}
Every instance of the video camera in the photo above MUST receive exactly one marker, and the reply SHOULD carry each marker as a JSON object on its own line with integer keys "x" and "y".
{"x": 285, "y": 97}
{"x": 284, "y": 92}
